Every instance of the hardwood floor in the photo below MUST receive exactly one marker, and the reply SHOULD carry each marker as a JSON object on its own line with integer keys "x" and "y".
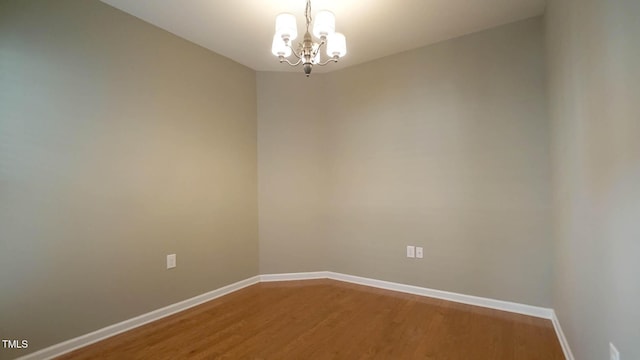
{"x": 327, "y": 319}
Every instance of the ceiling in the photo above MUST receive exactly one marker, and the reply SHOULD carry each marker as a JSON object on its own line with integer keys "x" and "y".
{"x": 243, "y": 29}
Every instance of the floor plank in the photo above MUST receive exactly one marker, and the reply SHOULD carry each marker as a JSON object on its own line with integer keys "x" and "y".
{"x": 328, "y": 319}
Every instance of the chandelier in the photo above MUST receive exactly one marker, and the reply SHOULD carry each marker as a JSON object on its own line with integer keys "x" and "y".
{"x": 308, "y": 52}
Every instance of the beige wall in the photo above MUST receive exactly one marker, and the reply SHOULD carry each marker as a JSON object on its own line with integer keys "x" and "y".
{"x": 445, "y": 147}
{"x": 119, "y": 143}
{"x": 594, "y": 82}
{"x": 291, "y": 172}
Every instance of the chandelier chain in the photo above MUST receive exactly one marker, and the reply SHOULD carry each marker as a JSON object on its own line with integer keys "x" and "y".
{"x": 307, "y": 14}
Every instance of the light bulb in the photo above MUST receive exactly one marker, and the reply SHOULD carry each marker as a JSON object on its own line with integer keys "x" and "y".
{"x": 336, "y": 45}
{"x": 324, "y": 24}
{"x": 286, "y": 27}
{"x": 279, "y": 48}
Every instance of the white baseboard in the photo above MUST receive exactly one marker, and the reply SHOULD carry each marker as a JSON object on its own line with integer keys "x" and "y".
{"x": 530, "y": 310}
{"x": 563, "y": 340}
{"x": 84, "y": 340}
{"x": 109, "y": 331}
{"x": 295, "y": 276}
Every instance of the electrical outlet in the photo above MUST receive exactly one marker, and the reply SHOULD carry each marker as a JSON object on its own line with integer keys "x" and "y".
{"x": 171, "y": 261}
{"x": 614, "y": 354}
{"x": 419, "y": 252}
{"x": 411, "y": 251}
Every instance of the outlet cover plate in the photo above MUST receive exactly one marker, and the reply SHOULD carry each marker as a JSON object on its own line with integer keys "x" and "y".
{"x": 171, "y": 261}
{"x": 419, "y": 252}
{"x": 411, "y": 251}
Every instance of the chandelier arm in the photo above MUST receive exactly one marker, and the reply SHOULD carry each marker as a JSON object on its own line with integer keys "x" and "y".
{"x": 333, "y": 59}
{"x": 320, "y": 44}
{"x": 285, "y": 60}
{"x": 293, "y": 51}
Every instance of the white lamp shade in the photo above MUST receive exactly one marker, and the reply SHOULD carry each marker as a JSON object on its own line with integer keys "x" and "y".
{"x": 324, "y": 24}
{"x": 286, "y": 26}
{"x": 336, "y": 45}
{"x": 279, "y": 48}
